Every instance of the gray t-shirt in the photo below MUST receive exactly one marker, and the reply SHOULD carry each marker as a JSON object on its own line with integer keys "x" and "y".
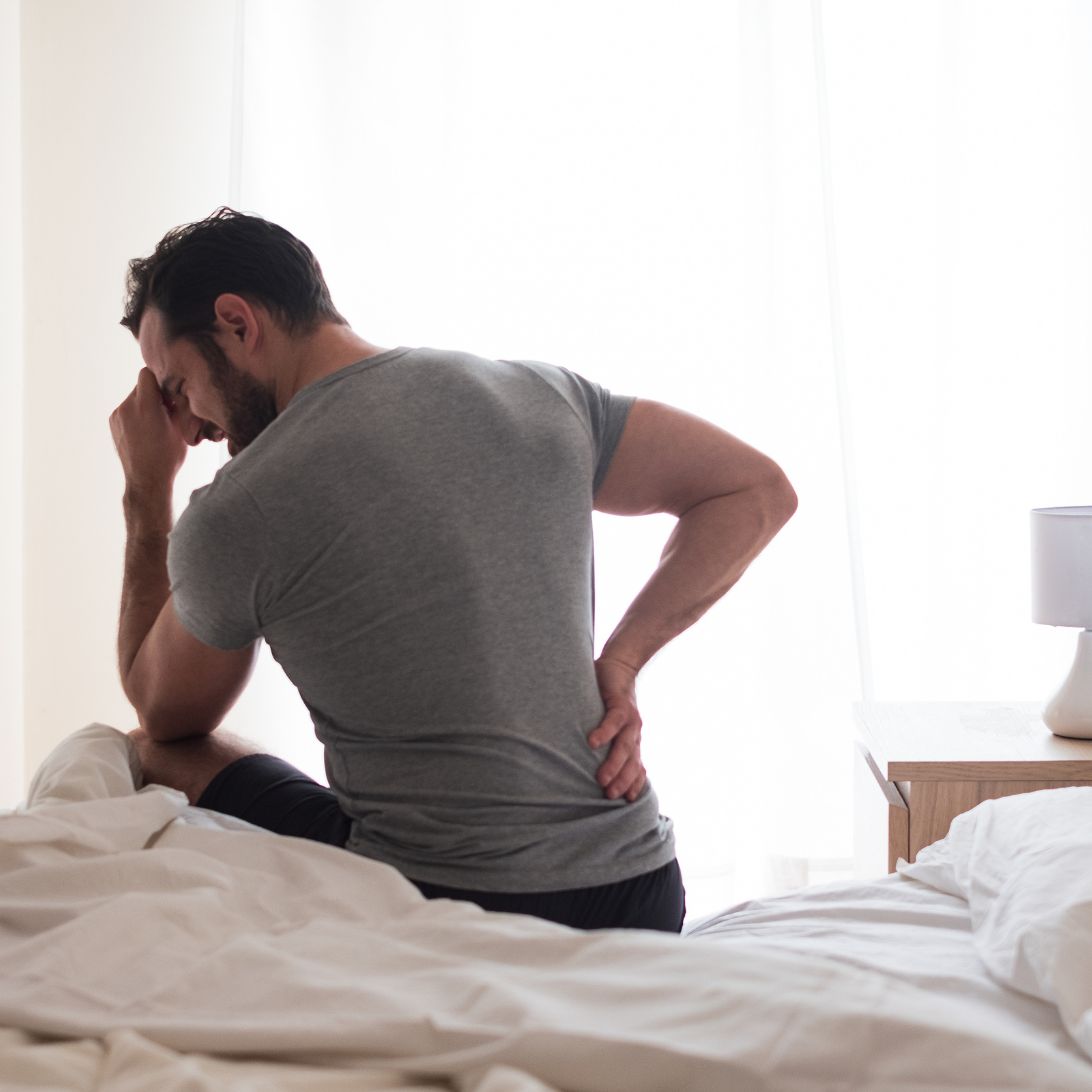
{"x": 412, "y": 537}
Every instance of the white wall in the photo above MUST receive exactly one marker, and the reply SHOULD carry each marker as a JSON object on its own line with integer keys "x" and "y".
{"x": 124, "y": 137}
{"x": 11, "y": 435}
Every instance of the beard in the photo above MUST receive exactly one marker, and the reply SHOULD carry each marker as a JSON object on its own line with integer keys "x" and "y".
{"x": 249, "y": 406}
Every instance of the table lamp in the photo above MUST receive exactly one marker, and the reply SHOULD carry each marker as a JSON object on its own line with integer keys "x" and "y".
{"x": 1061, "y": 595}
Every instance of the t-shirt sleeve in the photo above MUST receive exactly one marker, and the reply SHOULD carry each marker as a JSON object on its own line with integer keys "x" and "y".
{"x": 603, "y": 413}
{"x": 216, "y": 562}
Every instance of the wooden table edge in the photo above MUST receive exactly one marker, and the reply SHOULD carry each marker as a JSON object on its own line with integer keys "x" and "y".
{"x": 1038, "y": 770}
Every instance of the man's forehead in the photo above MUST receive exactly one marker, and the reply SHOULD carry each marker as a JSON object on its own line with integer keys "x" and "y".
{"x": 153, "y": 343}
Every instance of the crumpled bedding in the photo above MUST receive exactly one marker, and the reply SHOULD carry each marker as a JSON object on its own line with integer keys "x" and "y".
{"x": 1023, "y": 864}
{"x": 153, "y": 941}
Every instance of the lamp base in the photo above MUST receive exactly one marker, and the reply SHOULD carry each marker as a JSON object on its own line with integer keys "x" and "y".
{"x": 1069, "y": 712}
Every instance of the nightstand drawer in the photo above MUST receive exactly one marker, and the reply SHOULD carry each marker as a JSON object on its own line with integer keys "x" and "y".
{"x": 934, "y": 804}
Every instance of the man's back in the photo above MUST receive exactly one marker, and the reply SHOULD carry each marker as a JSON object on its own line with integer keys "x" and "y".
{"x": 412, "y": 535}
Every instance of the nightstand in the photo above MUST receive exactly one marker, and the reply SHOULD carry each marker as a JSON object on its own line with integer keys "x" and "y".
{"x": 920, "y": 764}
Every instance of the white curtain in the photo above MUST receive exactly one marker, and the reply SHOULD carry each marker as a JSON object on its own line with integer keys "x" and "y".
{"x": 853, "y": 232}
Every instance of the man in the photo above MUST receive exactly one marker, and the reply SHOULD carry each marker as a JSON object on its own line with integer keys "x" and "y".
{"x": 410, "y": 531}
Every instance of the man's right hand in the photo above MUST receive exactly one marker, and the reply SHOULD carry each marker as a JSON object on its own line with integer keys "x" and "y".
{"x": 151, "y": 449}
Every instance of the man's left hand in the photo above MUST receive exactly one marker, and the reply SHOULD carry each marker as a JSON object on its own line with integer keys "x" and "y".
{"x": 622, "y": 773}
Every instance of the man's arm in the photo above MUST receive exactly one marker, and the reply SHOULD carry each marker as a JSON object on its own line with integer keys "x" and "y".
{"x": 178, "y": 685}
{"x": 730, "y": 501}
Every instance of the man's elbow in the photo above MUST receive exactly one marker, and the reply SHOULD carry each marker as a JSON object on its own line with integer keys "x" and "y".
{"x": 788, "y": 501}
{"x": 778, "y": 499}
{"x": 164, "y": 715}
{"x": 165, "y": 724}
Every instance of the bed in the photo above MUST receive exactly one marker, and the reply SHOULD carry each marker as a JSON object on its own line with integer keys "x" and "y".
{"x": 145, "y": 944}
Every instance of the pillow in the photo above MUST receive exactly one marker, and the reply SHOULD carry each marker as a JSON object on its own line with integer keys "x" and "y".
{"x": 96, "y": 762}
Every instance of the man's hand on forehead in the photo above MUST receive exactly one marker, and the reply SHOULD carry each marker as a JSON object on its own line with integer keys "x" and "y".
{"x": 149, "y": 445}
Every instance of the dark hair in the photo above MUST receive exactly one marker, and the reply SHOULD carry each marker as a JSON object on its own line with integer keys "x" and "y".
{"x": 228, "y": 251}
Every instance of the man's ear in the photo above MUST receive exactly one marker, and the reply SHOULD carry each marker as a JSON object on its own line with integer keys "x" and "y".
{"x": 237, "y": 319}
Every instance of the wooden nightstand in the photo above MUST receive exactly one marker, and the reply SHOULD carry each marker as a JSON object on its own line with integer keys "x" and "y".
{"x": 931, "y": 761}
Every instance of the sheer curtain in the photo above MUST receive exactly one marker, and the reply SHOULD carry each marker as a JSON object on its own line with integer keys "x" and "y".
{"x": 852, "y": 233}
{"x": 632, "y": 191}
{"x": 855, "y": 233}
{"x": 962, "y": 153}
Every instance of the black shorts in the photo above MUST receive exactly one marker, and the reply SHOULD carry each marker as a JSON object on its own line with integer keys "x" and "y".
{"x": 271, "y": 793}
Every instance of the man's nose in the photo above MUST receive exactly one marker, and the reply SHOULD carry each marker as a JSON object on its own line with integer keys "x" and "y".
{"x": 188, "y": 423}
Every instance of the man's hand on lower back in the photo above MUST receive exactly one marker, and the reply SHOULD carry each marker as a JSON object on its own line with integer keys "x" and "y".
{"x": 622, "y": 773}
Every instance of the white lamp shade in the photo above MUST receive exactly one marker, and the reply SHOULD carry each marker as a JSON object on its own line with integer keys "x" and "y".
{"x": 1061, "y": 566}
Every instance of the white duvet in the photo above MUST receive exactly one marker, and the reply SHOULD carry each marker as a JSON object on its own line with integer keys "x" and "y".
{"x": 147, "y": 944}
{"x": 1023, "y": 864}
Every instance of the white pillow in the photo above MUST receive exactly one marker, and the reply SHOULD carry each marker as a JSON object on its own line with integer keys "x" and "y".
{"x": 96, "y": 762}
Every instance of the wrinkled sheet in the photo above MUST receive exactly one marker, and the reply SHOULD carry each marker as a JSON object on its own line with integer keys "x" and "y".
{"x": 899, "y": 928}
{"x": 139, "y": 932}
{"x": 1023, "y": 864}
{"x": 124, "y": 1061}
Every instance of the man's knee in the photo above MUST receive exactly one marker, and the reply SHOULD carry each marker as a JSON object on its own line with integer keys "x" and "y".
{"x": 188, "y": 764}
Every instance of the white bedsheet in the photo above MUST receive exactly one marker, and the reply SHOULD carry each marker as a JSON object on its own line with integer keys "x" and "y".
{"x": 897, "y": 929}
{"x": 142, "y": 933}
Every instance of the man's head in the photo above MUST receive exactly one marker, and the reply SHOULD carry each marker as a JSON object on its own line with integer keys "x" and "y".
{"x": 232, "y": 252}
{"x": 205, "y": 306}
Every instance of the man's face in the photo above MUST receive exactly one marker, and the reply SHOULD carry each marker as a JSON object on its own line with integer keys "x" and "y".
{"x": 208, "y": 397}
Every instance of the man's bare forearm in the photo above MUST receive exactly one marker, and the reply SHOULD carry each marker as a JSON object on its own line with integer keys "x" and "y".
{"x": 145, "y": 585}
{"x": 179, "y": 686}
{"x": 708, "y": 551}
